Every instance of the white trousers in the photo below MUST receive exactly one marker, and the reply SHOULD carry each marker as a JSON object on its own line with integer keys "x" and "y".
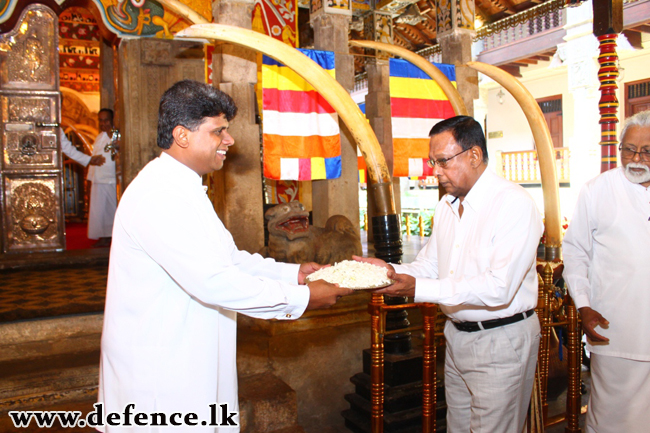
{"x": 489, "y": 377}
{"x": 620, "y": 395}
{"x": 103, "y": 203}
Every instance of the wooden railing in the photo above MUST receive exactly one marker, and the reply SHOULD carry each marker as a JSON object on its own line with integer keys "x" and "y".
{"x": 523, "y": 166}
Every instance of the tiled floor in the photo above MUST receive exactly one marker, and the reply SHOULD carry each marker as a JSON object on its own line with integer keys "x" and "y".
{"x": 30, "y": 294}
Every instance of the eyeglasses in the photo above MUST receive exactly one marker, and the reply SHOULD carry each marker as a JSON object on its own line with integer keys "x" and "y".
{"x": 628, "y": 153}
{"x": 442, "y": 162}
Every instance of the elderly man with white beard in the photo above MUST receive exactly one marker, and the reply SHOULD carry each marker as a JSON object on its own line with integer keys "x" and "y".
{"x": 607, "y": 268}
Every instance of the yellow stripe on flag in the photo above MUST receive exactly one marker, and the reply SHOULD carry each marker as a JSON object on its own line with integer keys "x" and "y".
{"x": 318, "y": 168}
{"x": 284, "y": 78}
{"x": 415, "y": 88}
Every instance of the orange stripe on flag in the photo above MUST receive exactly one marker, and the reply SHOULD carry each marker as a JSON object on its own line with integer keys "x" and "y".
{"x": 302, "y": 147}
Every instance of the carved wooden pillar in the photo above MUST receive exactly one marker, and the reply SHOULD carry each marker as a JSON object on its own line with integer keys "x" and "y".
{"x": 148, "y": 67}
{"x": 239, "y": 196}
{"x": 378, "y": 27}
{"x": 337, "y": 196}
{"x": 455, "y": 30}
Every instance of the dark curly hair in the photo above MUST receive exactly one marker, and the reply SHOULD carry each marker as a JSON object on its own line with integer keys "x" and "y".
{"x": 188, "y": 103}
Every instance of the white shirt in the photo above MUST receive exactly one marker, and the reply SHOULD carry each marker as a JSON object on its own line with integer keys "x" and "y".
{"x": 104, "y": 173}
{"x": 71, "y": 152}
{"x": 175, "y": 282}
{"x": 481, "y": 266}
{"x": 607, "y": 261}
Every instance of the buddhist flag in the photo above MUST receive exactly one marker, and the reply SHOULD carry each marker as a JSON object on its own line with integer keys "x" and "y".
{"x": 301, "y": 130}
{"x": 417, "y": 103}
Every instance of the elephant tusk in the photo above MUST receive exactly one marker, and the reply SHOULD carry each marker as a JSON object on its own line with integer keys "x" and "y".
{"x": 185, "y": 11}
{"x": 328, "y": 87}
{"x": 544, "y": 145}
{"x": 430, "y": 69}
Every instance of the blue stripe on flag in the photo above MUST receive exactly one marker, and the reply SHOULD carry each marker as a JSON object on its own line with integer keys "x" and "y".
{"x": 362, "y": 107}
{"x": 333, "y": 167}
{"x": 404, "y": 69}
{"x": 324, "y": 58}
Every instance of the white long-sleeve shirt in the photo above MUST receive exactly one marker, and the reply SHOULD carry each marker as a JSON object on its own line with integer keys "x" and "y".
{"x": 104, "y": 173}
{"x": 607, "y": 261}
{"x": 71, "y": 152}
{"x": 481, "y": 266}
{"x": 176, "y": 282}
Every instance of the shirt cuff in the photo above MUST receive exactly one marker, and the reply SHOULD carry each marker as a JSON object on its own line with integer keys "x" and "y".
{"x": 427, "y": 290}
{"x": 581, "y": 300}
{"x": 297, "y": 300}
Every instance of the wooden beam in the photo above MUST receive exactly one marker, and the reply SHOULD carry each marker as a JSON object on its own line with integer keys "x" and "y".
{"x": 413, "y": 34}
{"x": 512, "y": 70}
{"x": 643, "y": 28}
{"x": 608, "y": 17}
{"x": 404, "y": 41}
{"x": 528, "y": 61}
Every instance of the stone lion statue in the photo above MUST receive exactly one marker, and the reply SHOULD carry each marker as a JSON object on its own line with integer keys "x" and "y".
{"x": 293, "y": 240}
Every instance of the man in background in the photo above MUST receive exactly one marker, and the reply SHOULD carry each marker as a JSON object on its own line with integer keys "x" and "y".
{"x": 607, "y": 268}
{"x": 103, "y": 193}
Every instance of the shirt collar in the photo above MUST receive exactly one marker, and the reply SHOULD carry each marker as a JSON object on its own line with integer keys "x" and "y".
{"x": 179, "y": 170}
{"x": 478, "y": 194}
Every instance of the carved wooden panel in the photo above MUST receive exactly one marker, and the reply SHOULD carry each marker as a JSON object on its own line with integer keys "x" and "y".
{"x": 30, "y": 167}
{"x": 32, "y": 217}
{"x": 30, "y": 57}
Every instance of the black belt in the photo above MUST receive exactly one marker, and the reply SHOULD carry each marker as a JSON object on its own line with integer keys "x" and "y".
{"x": 495, "y": 323}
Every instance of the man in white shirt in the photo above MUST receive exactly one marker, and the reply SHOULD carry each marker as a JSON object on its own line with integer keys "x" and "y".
{"x": 607, "y": 268}
{"x": 103, "y": 193}
{"x": 479, "y": 266}
{"x": 176, "y": 279}
{"x": 77, "y": 156}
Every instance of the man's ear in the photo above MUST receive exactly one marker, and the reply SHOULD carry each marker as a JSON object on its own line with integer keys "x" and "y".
{"x": 476, "y": 156}
{"x": 181, "y": 138}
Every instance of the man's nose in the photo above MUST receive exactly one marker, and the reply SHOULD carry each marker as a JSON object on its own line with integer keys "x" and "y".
{"x": 636, "y": 157}
{"x": 436, "y": 170}
{"x": 227, "y": 139}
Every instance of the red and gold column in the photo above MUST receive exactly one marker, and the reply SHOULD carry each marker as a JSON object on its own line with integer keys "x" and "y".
{"x": 608, "y": 103}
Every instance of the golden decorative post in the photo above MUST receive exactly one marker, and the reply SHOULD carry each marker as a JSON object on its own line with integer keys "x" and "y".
{"x": 429, "y": 364}
{"x": 376, "y": 363}
{"x": 574, "y": 361}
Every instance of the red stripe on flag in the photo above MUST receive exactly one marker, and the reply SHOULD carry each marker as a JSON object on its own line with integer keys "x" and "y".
{"x": 302, "y": 147}
{"x": 426, "y": 170}
{"x": 421, "y": 108}
{"x": 304, "y": 169}
{"x": 290, "y": 101}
